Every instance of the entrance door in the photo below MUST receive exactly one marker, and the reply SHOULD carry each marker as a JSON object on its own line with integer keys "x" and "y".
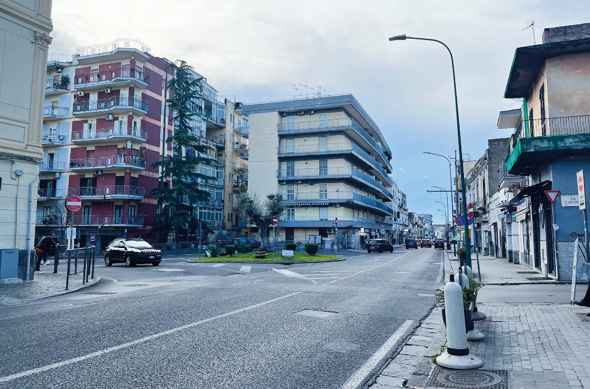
{"x": 536, "y": 235}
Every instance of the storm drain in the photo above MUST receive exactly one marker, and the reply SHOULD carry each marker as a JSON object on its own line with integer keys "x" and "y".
{"x": 467, "y": 379}
{"x": 318, "y": 314}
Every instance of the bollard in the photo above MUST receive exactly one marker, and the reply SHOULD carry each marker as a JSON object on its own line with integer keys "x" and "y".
{"x": 56, "y": 259}
{"x": 84, "y": 271}
{"x": 75, "y": 261}
{"x": 456, "y": 355}
{"x": 93, "y": 260}
{"x": 68, "y": 269}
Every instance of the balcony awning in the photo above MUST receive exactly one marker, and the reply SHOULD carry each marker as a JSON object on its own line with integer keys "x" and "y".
{"x": 509, "y": 119}
{"x": 529, "y": 191}
{"x": 529, "y": 60}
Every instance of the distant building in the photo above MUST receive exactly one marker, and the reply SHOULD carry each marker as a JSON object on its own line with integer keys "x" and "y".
{"x": 330, "y": 162}
{"x": 551, "y": 143}
{"x": 24, "y": 33}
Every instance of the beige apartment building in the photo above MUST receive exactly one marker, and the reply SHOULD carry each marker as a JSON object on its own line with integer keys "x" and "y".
{"x": 24, "y": 33}
{"x": 329, "y": 161}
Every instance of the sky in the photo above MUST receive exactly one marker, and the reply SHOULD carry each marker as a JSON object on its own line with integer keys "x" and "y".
{"x": 264, "y": 50}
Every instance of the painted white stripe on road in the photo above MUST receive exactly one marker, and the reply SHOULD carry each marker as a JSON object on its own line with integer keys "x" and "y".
{"x": 168, "y": 270}
{"x": 145, "y": 339}
{"x": 359, "y": 376}
{"x": 291, "y": 274}
{"x": 218, "y": 265}
{"x": 245, "y": 269}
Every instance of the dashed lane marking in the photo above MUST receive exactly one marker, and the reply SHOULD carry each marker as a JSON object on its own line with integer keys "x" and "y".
{"x": 245, "y": 269}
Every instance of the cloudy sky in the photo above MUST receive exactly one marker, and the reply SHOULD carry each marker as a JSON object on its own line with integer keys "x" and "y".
{"x": 260, "y": 50}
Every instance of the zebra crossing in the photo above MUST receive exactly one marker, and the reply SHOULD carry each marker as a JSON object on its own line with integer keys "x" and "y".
{"x": 315, "y": 276}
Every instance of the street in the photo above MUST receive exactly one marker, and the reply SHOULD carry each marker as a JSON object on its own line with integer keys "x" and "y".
{"x": 218, "y": 326}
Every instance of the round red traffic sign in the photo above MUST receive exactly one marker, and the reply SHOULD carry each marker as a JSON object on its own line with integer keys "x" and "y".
{"x": 73, "y": 204}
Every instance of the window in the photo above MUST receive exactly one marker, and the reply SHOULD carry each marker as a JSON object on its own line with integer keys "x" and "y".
{"x": 323, "y": 143}
{"x": 118, "y": 214}
{"x": 132, "y": 213}
{"x": 323, "y": 120}
{"x": 290, "y": 168}
{"x": 291, "y": 192}
{"x": 323, "y": 191}
{"x": 323, "y": 213}
{"x": 290, "y": 214}
{"x": 86, "y": 215}
{"x": 323, "y": 167}
{"x": 290, "y": 145}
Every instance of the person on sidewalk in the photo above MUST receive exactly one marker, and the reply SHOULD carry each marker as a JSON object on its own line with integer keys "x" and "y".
{"x": 45, "y": 247}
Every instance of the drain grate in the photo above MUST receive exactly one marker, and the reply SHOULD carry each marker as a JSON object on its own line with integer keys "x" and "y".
{"x": 468, "y": 379}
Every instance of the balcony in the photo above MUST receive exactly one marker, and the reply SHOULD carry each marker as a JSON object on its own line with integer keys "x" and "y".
{"x": 50, "y": 220}
{"x": 107, "y": 221}
{"x": 44, "y": 194}
{"x": 358, "y": 223}
{"x": 318, "y": 198}
{"x": 52, "y": 167}
{"x": 355, "y": 130}
{"x": 106, "y": 106}
{"x": 372, "y": 203}
{"x": 55, "y": 113}
{"x": 126, "y": 77}
{"x": 118, "y": 162}
{"x": 56, "y": 85}
{"x": 110, "y": 192}
{"x": 561, "y": 137}
{"x": 109, "y": 136}
{"x": 50, "y": 138}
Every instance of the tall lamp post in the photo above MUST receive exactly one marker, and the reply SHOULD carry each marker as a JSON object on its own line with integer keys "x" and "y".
{"x": 404, "y": 37}
{"x": 448, "y": 159}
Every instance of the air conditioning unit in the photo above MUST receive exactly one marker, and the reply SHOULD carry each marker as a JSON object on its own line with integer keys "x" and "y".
{"x": 81, "y": 93}
{"x": 108, "y": 90}
{"x": 110, "y": 117}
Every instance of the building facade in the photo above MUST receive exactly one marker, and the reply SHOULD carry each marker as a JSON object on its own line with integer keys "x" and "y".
{"x": 24, "y": 33}
{"x": 551, "y": 143}
{"x": 331, "y": 164}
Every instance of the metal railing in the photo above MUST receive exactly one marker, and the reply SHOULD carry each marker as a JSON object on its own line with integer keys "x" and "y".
{"x": 372, "y": 202}
{"x": 97, "y": 77}
{"x": 55, "y": 112}
{"x": 58, "y": 138}
{"x": 57, "y": 82}
{"x": 86, "y": 254}
{"x": 97, "y": 220}
{"x": 52, "y": 166}
{"x": 329, "y": 195}
{"x": 47, "y": 192}
{"x": 108, "y": 134}
{"x": 109, "y": 190}
{"x": 316, "y": 172}
{"x": 51, "y": 219}
{"x": 106, "y": 104}
{"x": 107, "y": 162}
{"x": 559, "y": 126}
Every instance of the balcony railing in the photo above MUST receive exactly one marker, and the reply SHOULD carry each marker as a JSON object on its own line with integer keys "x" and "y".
{"x": 50, "y": 219}
{"x": 103, "y": 78}
{"x": 109, "y": 191}
{"x": 58, "y": 138}
{"x": 108, "y": 135}
{"x": 371, "y": 180}
{"x": 306, "y": 125}
{"x": 560, "y": 126}
{"x": 331, "y": 195}
{"x": 110, "y": 220}
{"x": 107, "y": 104}
{"x": 55, "y": 112}
{"x": 98, "y": 163}
{"x": 52, "y": 166}
{"x": 57, "y": 83}
{"x": 372, "y": 202}
{"x": 47, "y": 192}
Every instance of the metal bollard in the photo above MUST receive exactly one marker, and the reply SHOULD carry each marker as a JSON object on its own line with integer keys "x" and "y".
{"x": 84, "y": 271}
{"x": 75, "y": 261}
{"x": 56, "y": 259}
{"x": 456, "y": 355}
{"x": 93, "y": 260}
{"x": 69, "y": 255}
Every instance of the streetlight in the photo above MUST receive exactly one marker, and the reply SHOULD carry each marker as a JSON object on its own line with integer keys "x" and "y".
{"x": 450, "y": 174}
{"x": 404, "y": 37}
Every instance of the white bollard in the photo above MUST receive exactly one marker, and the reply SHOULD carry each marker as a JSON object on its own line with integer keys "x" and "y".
{"x": 456, "y": 355}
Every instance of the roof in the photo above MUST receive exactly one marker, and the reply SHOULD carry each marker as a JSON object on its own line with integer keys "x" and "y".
{"x": 528, "y": 61}
{"x": 347, "y": 102}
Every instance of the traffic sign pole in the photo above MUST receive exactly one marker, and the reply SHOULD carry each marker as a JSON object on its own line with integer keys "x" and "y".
{"x": 552, "y": 196}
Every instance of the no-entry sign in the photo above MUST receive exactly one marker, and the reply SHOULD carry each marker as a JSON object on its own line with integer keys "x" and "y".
{"x": 581, "y": 191}
{"x": 73, "y": 204}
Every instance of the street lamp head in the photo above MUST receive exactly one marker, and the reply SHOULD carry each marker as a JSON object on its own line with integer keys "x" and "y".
{"x": 401, "y": 37}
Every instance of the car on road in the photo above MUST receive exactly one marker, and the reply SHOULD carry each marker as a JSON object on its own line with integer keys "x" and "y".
{"x": 425, "y": 243}
{"x": 131, "y": 252}
{"x": 379, "y": 245}
{"x": 411, "y": 244}
{"x": 439, "y": 244}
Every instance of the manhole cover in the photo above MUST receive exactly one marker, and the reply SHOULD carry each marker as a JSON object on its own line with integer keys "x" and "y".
{"x": 467, "y": 379}
{"x": 319, "y": 314}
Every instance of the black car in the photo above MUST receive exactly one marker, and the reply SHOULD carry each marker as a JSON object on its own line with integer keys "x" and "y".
{"x": 439, "y": 244}
{"x": 131, "y": 252}
{"x": 379, "y": 245}
{"x": 411, "y": 244}
{"x": 425, "y": 243}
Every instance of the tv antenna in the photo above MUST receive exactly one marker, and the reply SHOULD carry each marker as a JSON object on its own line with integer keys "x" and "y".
{"x": 531, "y": 26}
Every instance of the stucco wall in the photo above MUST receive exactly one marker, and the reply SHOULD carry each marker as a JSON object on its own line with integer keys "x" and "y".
{"x": 568, "y": 85}
{"x": 262, "y": 158}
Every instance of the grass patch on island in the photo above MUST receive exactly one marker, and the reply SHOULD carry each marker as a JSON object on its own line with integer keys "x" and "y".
{"x": 271, "y": 258}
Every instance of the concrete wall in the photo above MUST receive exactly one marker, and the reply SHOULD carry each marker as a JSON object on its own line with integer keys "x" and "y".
{"x": 262, "y": 158}
{"x": 568, "y": 85}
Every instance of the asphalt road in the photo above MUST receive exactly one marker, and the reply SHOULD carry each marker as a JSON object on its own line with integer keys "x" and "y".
{"x": 217, "y": 326}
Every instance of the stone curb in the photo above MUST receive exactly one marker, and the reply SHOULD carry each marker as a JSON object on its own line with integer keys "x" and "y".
{"x": 90, "y": 283}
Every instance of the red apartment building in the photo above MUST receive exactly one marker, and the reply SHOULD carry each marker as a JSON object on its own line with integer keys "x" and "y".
{"x": 116, "y": 129}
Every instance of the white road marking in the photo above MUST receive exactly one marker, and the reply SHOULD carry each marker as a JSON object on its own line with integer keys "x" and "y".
{"x": 425, "y": 295}
{"x": 402, "y": 272}
{"x": 145, "y": 339}
{"x": 372, "y": 363}
{"x": 291, "y": 274}
{"x": 245, "y": 269}
{"x": 169, "y": 270}
{"x": 218, "y": 265}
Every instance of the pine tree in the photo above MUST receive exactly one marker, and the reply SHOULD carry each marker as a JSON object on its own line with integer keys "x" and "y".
{"x": 179, "y": 190}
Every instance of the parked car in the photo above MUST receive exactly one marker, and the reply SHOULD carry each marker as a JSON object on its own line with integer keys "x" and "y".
{"x": 425, "y": 243}
{"x": 379, "y": 245}
{"x": 439, "y": 244}
{"x": 131, "y": 252}
{"x": 411, "y": 244}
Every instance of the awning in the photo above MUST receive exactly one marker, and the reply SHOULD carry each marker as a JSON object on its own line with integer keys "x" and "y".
{"x": 529, "y": 191}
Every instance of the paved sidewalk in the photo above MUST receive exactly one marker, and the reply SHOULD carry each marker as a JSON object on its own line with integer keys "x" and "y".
{"x": 46, "y": 284}
{"x": 532, "y": 335}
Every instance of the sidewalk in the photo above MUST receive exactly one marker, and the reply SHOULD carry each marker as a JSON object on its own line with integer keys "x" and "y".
{"x": 46, "y": 284}
{"x": 534, "y": 339}
{"x": 498, "y": 271}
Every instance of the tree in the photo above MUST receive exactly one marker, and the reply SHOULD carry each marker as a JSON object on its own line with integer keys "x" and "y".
{"x": 261, "y": 215}
{"x": 179, "y": 190}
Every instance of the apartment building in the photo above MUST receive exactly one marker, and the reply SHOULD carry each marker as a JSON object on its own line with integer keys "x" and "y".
{"x": 329, "y": 161}
{"x": 24, "y": 33}
{"x": 550, "y": 144}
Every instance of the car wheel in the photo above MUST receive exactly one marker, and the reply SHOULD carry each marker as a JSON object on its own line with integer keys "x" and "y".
{"x": 107, "y": 261}
{"x": 129, "y": 262}
{"x": 369, "y": 251}
{"x": 156, "y": 263}
{"x": 391, "y": 251}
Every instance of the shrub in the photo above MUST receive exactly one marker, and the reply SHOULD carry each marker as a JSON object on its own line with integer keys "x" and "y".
{"x": 290, "y": 246}
{"x": 260, "y": 253}
{"x": 230, "y": 249}
{"x": 311, "y": 248}
{"x": 213, "y": 250}
{"x": 244, "y": 248}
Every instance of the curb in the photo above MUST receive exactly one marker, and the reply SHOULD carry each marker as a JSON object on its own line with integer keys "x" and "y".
{"x": 94, "y": 282}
